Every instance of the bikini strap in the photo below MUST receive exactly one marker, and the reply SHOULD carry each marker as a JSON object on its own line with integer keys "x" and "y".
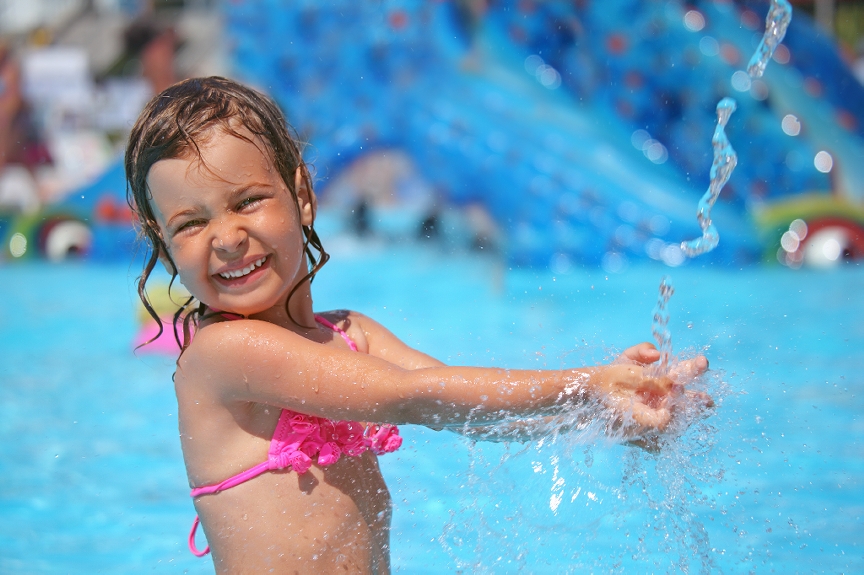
{"x": 192, "y": 547}
{"x": 339, "y": 330}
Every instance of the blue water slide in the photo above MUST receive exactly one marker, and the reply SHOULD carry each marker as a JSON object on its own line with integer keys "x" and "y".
{"x": 547, "y": 163}
{"x": 560, "y": 176}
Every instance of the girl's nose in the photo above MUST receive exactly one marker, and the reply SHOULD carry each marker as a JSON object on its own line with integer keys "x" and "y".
{"x": 229, "y": 237}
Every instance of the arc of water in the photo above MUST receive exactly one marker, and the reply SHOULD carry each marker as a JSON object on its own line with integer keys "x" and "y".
{"x": 776, "y": 23}
{"x": 725, "y": 160}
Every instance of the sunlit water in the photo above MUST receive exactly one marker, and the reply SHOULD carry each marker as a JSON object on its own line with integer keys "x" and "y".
{"x": 93, "y": 479}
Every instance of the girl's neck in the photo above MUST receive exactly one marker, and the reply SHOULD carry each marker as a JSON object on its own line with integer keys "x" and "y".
{"x": 298, "y": 316}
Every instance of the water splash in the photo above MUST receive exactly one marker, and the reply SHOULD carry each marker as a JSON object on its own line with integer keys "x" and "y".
{"x": 580, "y": 481}
{"x": 724, "y": 162}
{"x": 776, "y": 22}
{"x": 660, "y": 326}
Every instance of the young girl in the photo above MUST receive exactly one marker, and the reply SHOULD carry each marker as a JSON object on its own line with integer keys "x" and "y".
{"x": 275, "y": 398}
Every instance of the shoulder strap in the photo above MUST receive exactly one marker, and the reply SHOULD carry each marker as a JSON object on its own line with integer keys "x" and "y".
{"x": 338, "y": 330}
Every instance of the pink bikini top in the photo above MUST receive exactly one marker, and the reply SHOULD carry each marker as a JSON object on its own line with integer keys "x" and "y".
{"x": 299, "y": 438}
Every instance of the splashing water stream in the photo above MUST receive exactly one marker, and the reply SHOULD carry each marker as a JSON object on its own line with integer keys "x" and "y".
{"x": 725, "y": 159}
{"x": 724, "y": 162}
{"x": 660, "y": 327}
{"x": 776, "y": 22}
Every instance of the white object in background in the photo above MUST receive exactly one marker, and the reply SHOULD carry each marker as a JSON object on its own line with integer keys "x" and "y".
{"x": 17, "y": 16}
{"x": 825, "y": 248}
{"x": 18, "y": 189}
{"x": 56, "y": 74}
{"x": 67, "y": 238}
{"x": 79, "y": 158}
{"x": 119, "y": 102}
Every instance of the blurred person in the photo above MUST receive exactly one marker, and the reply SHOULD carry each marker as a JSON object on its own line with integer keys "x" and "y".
{"x": 154, "y": 45}
{"x": 11, "y": 101}
{"x": 22, "y": 148}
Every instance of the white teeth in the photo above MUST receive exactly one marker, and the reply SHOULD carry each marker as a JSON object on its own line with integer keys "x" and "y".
{"x": 240, "y": 273}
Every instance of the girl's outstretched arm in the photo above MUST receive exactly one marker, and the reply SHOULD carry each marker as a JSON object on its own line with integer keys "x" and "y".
{"x": 254, "y": 361}
{"x": 383, "y": 343}
{"x": 642, "y": 354}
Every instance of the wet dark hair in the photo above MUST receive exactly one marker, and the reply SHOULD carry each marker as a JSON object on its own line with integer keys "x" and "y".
{"x": 173, "y": 125}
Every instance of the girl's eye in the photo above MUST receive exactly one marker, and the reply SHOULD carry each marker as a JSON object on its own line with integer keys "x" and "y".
{"x": 188, "y": 226}
{"x": 249, "y": 202}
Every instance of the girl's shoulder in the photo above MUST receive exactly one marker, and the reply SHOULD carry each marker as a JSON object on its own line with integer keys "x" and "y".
{"x": 353, "y": 324}
{"x": 224, "y": 350}
{"x": 374, "y": 339}
{"x": 220, "y": 347}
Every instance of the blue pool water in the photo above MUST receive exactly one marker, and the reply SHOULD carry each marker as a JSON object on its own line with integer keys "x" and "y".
{"x": 92, "y": 480}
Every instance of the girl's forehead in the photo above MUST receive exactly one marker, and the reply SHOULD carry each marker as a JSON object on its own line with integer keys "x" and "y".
{"x": 221, "y": 158}
{"x": 227, "y": 148}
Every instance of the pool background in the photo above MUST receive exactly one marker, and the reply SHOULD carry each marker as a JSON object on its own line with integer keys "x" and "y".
{"x": 92, "y": 480}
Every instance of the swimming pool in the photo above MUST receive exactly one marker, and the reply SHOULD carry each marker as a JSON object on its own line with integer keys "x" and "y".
{"x": 92, "y": 480}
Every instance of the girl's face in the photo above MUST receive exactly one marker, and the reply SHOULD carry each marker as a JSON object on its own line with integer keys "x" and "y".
{"x": 231, "y": 225}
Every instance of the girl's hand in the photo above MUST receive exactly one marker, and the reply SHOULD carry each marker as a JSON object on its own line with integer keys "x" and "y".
{"x": 683, "y": 373}
{"x": 645, "y": 402}
{"x": 646, "y": 353}
{"x": 633, "y": 394}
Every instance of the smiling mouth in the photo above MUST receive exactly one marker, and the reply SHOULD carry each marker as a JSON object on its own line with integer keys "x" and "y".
{"x": 243, "y": 272}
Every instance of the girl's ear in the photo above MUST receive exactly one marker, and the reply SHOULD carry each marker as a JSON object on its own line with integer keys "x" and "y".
{"x": 306, "y": 200}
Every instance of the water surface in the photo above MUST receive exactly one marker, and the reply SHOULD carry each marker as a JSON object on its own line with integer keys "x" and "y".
{"x": 93, "y": 480}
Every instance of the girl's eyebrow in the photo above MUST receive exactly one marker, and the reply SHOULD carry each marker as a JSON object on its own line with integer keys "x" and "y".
{"x": 179, "y": 215}
{"x": 245, "y": 188}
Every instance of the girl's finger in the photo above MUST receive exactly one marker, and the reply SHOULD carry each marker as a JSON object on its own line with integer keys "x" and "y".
{"x": 653, "y": 419}
{"x": 644, "y": 352}
{"x": 688, "y": 370}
